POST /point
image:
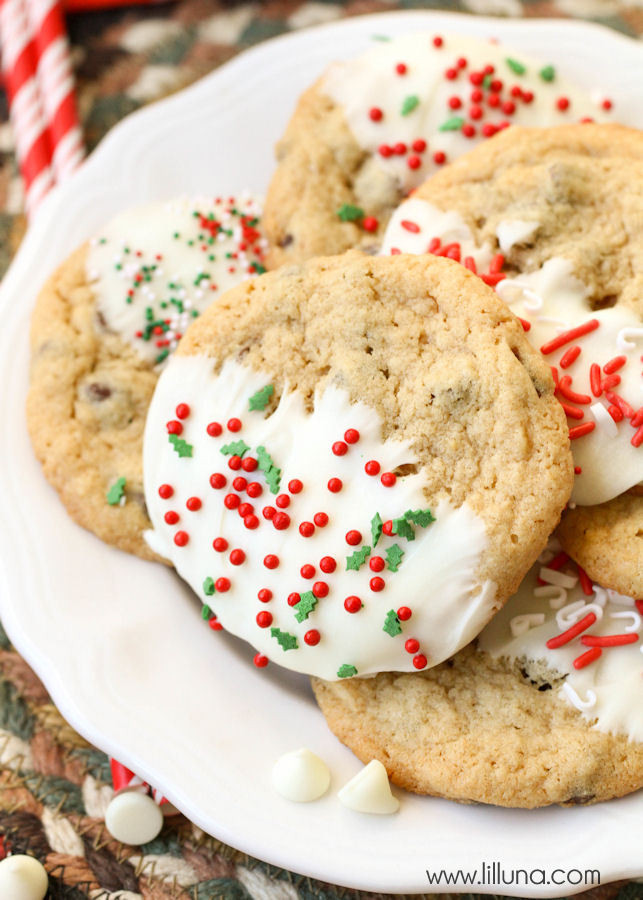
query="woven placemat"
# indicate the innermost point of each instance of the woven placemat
(54, 787)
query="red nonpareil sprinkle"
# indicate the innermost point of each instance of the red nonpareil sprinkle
(407, 225)
(516, 91)
(294, 598)
(615, 413)
(564, 388)
(566, 636)
(595, 379)
(352, 604)
(637, 418)
(264, 619)
(461, 62)
(218, 481)
(283, 501)
(306, 529)
(493, 280)
(214, 624)
(268, 512)
(611, 381)
(451, 74)
(385, 151)
(234, 463)
(320, 589)
(377, 584)
(231, 501)
(414, 162)
(608, 640)
(375, 114)
(351, 435)
(411, 645)
(562, 103)
(295, 486)
(509, 107)
(372, 467)
(181, 538)
(166, 491)
(568, 336)
(388, 479)
(281, 521)
(312, 637)
(574, 412)
(401, 68)
(387, 527)
(577, 470)
(320, 519)
(493, 100)
(614, 364)
(171, 517)
(607, 104)
(454, 102)
(265, 595)
(586, 658)
(220, 544)
(193, 504)
(182, 411)
(622, 404)
(327, 564)
(404, 613)
(335, 485)
(260, 660)
(307, 571)
(222, 585)
(249, 464)
(376, 564)
(419, 145)
(476, 95)
(570, 356)
(174, 427)
(254, 490)
(237, 557)
(353, 537)
(339, 448)
(527, 96)
(488, 129)
(475, 113)
(526, 326)
(420, 661)
(400, 148)
(579, 431)
(434, 245)
(239, 483)
(468, 130)
(370, 223)
(271, 561)
(395, 251)
(637, 437)
(439, 158)
(234, 425)
(438, 41)
(476, 78)
(585, 581)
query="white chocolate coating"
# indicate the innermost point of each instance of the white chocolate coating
(371, 81)
(300, 776)
(553, 300)
(22, 878)
(133, 818)
(163, 258)
(369, 791)
(609, 691)
(436, 577)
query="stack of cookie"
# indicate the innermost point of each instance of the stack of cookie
(359, 461)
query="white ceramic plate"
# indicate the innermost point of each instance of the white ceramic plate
(120, 643)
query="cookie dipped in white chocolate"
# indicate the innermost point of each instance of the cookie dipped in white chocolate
(310, 549)
(595, 353)
(154, 268)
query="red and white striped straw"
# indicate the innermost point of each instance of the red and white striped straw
(40, 87)
(123, 779)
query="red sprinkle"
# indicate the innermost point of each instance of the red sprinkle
(608, 640)
(294, 598)
(214, 429)
(182, 411)
(579, 431)
(387, 527)
(611, 381)
(414, 162)
(340, 448)
(401, 69)
(595, 379)
(231, 501)
(637, 438)
(193, 504)
(237, 557)
(239, 483)
(312, 637)
(222, 585)
(574, 412)
(327, 564)
(283, 501)
(372, 467)
(254, 490)
(220, 544)
(377, 584)
(404, 613)
(218, 481)
(419, 145)
(234, 424)
(439, 158)
(166, 491)
(268, 512)
(352, 604)
(281, 521)
(249, 464)
(526, 326)
(410, 226)
(260, 661)
(214, 624)
(451, 74)
(615, 413)
(568, 336)
(370, 223)
(174, 427)
(307, 571)
(295, 486)
(376, 564)
(353, 537)
(388, 479)
(234, 463)
(320, 519)
(622, 404)
(564, 387)
(411, 645)
(437, 41)
(265, 595)
(586, 658)
(613, 365)
(351, 436)
(320, 589)
(566, 636)
(419, 661)
(569, 356)
(264, 619)
(171, 517)
(562, 103)
(271, 561)
(306, 529)
(375, 114)
(585, 581)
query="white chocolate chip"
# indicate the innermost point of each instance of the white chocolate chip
(369, 791)
(133, 818)
(22, 878)
(300, 776)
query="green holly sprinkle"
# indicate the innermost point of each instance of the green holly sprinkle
(286, 641)
(421, 517)
(376, 528)
(349, 213)
(236, 448)
(392, 624)
(547, 73)
(305, 606)
(208, 586)
(182, 447)
(394, 556)
(455, 123)
(403, 528)
(116, 492)
(409, 104)
(357, 559)
(206, 612)
(516, 67)
(346, 671)
(269, 469)
(261, 399)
